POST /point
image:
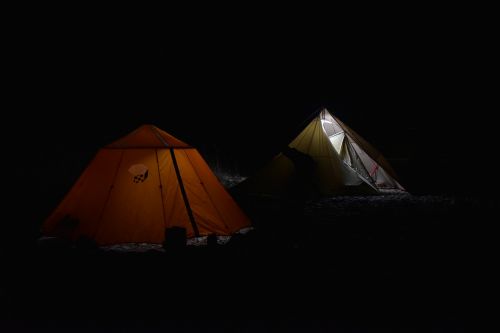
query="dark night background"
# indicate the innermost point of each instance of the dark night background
(418, 91)
(416, 86)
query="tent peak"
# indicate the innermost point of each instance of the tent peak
(317, 113)
(324, 109)
(148, 125)
(148, 136)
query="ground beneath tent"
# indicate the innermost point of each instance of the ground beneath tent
(363, 262)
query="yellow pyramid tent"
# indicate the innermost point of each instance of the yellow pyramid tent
(140, 185)
(327, 158)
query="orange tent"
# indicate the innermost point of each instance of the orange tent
(140, 185)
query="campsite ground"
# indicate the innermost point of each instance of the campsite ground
(367, 264)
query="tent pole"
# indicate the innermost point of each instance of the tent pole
(161, 189)
(181, 184)
(184, 195)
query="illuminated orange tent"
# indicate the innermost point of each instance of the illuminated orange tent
(140, 185)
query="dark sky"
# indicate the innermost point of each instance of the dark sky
(416, 88)
(86, 88)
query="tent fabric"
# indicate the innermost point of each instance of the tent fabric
(131, 192)
(148, 136)
(345, 163)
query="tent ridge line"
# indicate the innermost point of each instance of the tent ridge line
(181, 183)
(184, 194)
(360, 161)
(99, 222)
(208, 194)
(159, 136)
(161, 189)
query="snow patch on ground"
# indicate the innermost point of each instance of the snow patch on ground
(134, 247)
(229, 180)
(146, 247)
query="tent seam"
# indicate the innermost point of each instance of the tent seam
(99, 222)
(161, 190)
(209, 197)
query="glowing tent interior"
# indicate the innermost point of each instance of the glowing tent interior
(138, 186)
(327, 158)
